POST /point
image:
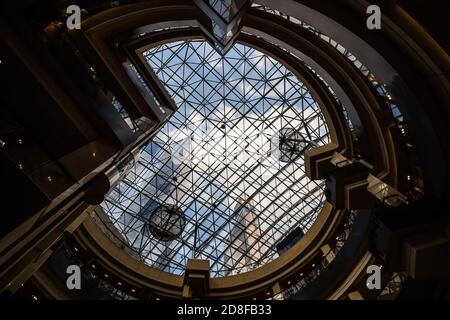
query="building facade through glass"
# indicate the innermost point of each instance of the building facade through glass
(220, 162)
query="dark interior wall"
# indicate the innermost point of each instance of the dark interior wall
(433, 16)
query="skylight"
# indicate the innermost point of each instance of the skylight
(220, 162)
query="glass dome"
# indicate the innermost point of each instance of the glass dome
(217, 160)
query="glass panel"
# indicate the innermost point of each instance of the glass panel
(214, 160)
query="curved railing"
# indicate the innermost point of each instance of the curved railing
(393, 286)
(303, 280)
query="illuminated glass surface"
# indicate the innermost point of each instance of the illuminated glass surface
(218, 160)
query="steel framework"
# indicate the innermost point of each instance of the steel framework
(215, 151)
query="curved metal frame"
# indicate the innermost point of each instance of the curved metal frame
(264, 278)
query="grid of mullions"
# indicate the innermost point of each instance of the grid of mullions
(214, 152)
(222, 7)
